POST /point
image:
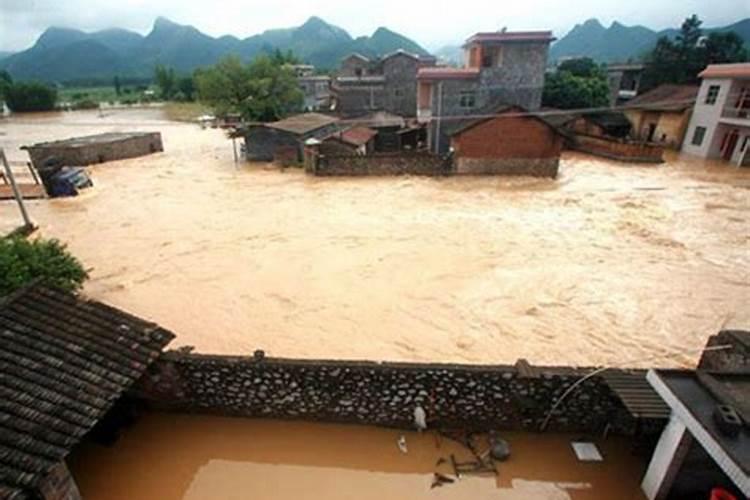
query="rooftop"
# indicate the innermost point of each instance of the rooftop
(64, 361)
(357, 136)
(739, 70)
(76, 142)
(667, 97)
(512, 36)
(435, 73)
(303, 123)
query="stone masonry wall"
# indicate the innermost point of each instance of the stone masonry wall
(735, 359)
(402, 163)
(535, 167)
(385, 394)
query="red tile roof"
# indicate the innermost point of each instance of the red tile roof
(447, 73)
(358, 136)
(667, 97)
(513, 36)
(740, 70)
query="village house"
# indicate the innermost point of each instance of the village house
(508, 143)
(315, 88)
(500, 68)
(624, 82)
(720, 125)
(283, 140)
(662, 114)
(387, 84)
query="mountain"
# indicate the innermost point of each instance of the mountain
(4, 54)
(62, 54)
(620, 42)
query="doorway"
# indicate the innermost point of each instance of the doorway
(651, 132)
(729, 144)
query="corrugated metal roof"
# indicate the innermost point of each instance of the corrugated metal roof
(635, 392)
(64, 361)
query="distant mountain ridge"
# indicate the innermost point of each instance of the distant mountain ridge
(620, 43)
(63, 54)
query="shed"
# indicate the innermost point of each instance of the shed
(64, 362)
(283, 140)
(508, 142)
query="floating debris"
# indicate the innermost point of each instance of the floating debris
(402, 444)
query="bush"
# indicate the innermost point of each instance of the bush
(22, 261)
(30, 96)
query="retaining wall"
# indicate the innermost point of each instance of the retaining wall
(385, 394)
(614, 149)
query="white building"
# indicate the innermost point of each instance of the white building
(720, 125)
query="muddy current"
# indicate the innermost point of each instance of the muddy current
(610, 263)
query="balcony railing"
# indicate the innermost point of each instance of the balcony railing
(737, 114)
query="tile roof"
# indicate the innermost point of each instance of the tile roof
(512, 36)
(739, 70)
(64, 361)
(667, 97)
(303, 123)
(438, 73)
(357, 136)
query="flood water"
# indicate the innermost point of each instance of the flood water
(609, 263)
(170, 457)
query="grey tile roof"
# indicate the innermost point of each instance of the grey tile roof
(64, 361)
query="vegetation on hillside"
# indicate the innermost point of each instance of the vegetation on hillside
(577, 83)
(30, 96)
(22, 261)
(682, 59)
(264, 90)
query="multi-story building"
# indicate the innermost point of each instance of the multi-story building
(384, 84)
(316, 88)
(503, 68)
(624, 82)
(720, 125)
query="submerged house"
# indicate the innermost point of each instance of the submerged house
(283, 140)
(502, 68)
(720, 125)
(510, 142)
(64, 364)
(662, 114)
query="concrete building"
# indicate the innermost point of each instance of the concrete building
(720, 125)
(385, 84)
(662, 114)
(315, 88)
(509, 143)
(500, 68)
(624, 82)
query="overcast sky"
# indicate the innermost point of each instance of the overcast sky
(432, 23)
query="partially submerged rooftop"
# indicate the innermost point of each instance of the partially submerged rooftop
(64, 361)
(667, 97)
(88, 140)
(303, 123)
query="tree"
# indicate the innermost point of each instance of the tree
(584, 67)
(5, 82)
(264, 90)
(116, 83)
(564, 90)
(166, 80)
(30, 96)
(682, 59)
(22, 261)
(186, 87)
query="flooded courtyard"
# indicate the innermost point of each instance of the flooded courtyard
(171, 457)
(607, 264)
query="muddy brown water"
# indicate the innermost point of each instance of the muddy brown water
(171, 457)
(609, 263)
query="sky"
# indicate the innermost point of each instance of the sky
(433, 23)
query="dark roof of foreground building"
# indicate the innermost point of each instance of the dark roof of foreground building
(88, 140)
(64, 361)
(667, 97)
(303, 123)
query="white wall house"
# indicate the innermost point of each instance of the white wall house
(720, 125)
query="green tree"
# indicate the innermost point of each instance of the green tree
(584, 67)
(22, 261)
(30, 96)
(166, 80)
(264, 90)
(116, 83)
(5, 82)
(186, 87)
(564, 90)
(724, 47)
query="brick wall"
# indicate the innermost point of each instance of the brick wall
(614, 149)
(386, 394)
(402, 163)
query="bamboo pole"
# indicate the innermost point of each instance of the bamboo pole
(16, 193)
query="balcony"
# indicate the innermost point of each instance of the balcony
(736, 116)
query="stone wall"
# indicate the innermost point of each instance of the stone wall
(402, 163)
(385, 394)
(735, 359)
(534, 167)
(90, 151)
(613, 149)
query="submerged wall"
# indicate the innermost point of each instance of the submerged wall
(614, 149)
(97, 149)
(470, 397)
(401, 163)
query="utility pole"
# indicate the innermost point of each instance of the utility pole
(16, 193)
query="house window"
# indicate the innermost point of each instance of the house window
(712, 95)
(698, 135)
(467, 99)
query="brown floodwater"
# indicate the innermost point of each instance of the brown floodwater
(609, 263)
(171, 457)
